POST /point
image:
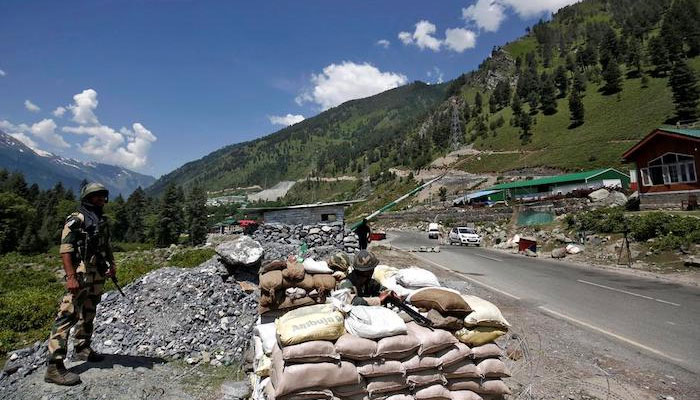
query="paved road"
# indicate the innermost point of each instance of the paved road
(661, 319)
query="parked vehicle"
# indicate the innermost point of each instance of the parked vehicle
(463, 235)
(433, 230)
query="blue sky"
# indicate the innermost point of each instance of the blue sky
(151, 85)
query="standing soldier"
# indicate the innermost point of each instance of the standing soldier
(363, 233)
(87, 259)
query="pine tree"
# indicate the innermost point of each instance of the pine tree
(658, 55)
(517, 107)
(533, 101)
(576, 109)
(136, 207)
(478, 103)
(525, 125)
(612, 77)
(467, 111)
(579, 84)
(120, 218)
(493, 104)
(561, 80)
(167, 230)
(686, 93)
(635, 56)
(196, 212)
(548, 96)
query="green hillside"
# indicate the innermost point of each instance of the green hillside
(616, 56)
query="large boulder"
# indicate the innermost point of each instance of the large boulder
(599, 195)
(616, 199)
(243, 251)
(562, 238)
(559, 252)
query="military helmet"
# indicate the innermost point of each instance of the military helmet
(340, 261)
(91, 188)
(365, 261)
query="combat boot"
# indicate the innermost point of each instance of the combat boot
(87, 354)
(57, 373)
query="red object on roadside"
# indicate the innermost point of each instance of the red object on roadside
(527, 243)
(247, 222)
(377, 236)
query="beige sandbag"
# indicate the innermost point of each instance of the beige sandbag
(420, 363)
(493, 368)
(351, 390)
(448, 323)
(273, 265)
(464, 369)
(456, 353)
(307, 283)
(297, 377)
(490, 386)
(316, 322)
(465, 395)
(271, 281)
(447, 301)
(373, 369)
(381, 272)
(479, 335)
(314, 394)
(490, 350)
(433, 392)
(425, 378)
(431, 341)
(262, 366)
(294, 271)
(385, 384)
(286, 304)
(400, 397)
(313, 351)
(355, 348)
(397, 347)
(484, 313)
(324, 282)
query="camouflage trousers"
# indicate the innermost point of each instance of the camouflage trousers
(76, 310)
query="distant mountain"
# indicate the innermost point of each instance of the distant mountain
(46, 169)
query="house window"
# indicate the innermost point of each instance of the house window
(328, 217)
(669, 168)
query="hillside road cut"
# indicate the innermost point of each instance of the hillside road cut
(657, 318)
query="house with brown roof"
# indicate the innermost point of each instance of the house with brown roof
(666, 167)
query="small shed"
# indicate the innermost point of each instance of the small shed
(481, 196)
(666, 165)
(304, 214)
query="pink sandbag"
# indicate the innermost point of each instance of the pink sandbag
(465, 369)
(381, 368)
(493, 368)
(454, 354)
(433, 392)
(310, 352)
(490, 350)
(385, 384)
(425, 378)
(351, 390)
(465, 395)
(420, 363)
(397, 347)
(400, 397)
(355, 348)
(431, 341)
(492, 386)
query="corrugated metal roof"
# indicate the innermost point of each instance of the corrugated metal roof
(686, 132)
(474, 195)
(577, 176)
(313, 205)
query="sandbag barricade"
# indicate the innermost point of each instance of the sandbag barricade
(331, 351)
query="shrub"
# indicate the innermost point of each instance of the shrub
(191, 257)
(29, 308)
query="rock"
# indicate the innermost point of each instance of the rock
(248, 287)
(326, 228)
(559, 253)
(573, 249)
(235, 390)
(13, 357)
(243, 251)
(691, 261)
(599, 195)
(529, 253)
(562, 238)
(314, 231)
(616, 199)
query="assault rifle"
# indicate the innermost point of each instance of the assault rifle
(389, 297)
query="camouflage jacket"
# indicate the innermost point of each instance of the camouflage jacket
(88, 247)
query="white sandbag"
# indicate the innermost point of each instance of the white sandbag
(374, 322)
(382, 272)
(268, 336)
(416, 277)
(484, 313)
(391, 284)
(312, 266)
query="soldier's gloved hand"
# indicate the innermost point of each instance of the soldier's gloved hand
(383, 296)
(72, 284)
(111, 271)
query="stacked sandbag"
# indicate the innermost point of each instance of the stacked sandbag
(296, 282)
(404, 281)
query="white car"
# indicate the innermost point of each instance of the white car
(463, 235)
(433, 230)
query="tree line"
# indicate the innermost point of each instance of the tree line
(31, 219)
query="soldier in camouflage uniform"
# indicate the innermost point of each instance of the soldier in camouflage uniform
(360, 282)
(87, 260)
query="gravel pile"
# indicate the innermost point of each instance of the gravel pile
(330, 235)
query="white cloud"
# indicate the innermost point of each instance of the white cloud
(286, 120)
(59, 111)
(339, 83)
(532, 8)
(384, 43)
(423, 36)
(31, 106)
(46, 130)
(84, 107)
(3, 73)
(437, 74)
(406, 37)
(459, 39)
(486, 14)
